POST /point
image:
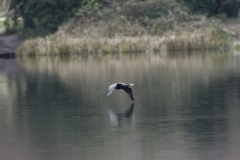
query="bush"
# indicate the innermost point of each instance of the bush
(213, 7)
(12, 24)
(49, 14)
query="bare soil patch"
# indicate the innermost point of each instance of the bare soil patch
(9, 43)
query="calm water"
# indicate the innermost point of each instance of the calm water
(186, 108)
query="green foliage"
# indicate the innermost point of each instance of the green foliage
(207, 6)
(222, 16)
(88, 7)
(136, 18)
(12, 24)
(213, 7)
(51, 14)
(47, 14)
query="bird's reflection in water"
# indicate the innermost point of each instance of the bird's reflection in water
(115, 119)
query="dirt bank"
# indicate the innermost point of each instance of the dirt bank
(9, 43)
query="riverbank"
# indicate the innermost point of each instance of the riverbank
(131, 29)
(91, 41)
(10, 43)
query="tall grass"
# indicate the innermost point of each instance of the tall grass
(208, 40)
(63, 44)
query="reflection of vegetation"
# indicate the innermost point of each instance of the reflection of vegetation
(206, 108)
(176, 98)
(79, 71)
(52, 110)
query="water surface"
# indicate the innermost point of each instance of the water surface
(186, 108)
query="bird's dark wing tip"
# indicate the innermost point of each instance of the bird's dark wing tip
(128, 90)
(131, 94)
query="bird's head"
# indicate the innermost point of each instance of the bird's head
(130, 84)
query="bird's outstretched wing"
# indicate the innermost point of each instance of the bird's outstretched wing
(129, 92)
(111, 88)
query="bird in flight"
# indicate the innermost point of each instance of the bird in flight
(125, 87)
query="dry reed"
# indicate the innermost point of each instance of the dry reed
(62, 44)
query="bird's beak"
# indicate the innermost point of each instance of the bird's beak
(131, 84)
